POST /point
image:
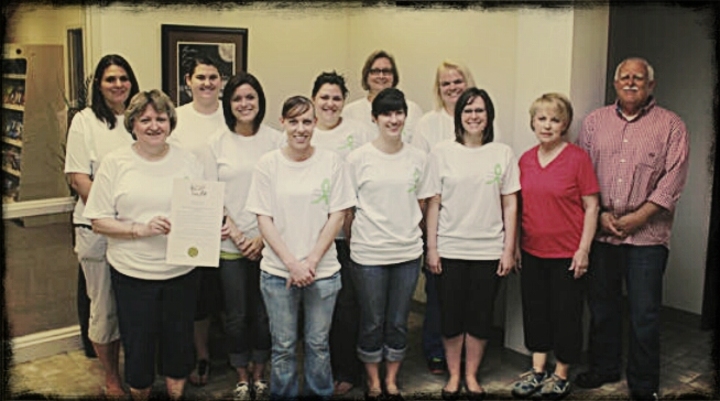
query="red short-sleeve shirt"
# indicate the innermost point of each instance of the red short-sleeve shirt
(552, 208)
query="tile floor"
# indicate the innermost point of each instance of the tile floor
(687, 370)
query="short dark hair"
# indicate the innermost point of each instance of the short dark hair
(140, 102)
(235, 82)
(330, 78)
(467, 97)
(296, 105)
(97, 104)
(368, 65)
(389, 99)
(190, 63)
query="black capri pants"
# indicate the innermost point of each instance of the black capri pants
(466, 291)
(552, 302)
(156, 318)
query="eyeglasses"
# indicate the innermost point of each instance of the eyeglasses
(384, 71)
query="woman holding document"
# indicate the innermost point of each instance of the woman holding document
(130, 204)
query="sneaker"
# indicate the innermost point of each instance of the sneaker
(262, 391)
(242, 392)
(437, 366)
(592, 379)
(555, 388)
(528, 384)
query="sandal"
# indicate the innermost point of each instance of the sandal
(199, 375)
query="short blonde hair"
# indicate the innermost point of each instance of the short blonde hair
(560, 102)
(139, 103)
(450, 65)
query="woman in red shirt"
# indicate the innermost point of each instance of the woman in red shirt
(559, 217)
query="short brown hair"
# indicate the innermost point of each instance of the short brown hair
(139, 103)
(368, 65)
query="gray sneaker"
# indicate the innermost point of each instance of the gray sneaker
(555, 388)
(262, 391)
(242, 392)
(528, 384)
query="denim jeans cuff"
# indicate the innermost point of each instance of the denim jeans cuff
(369, 356)
(394, 355)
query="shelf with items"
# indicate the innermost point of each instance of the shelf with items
(33, 140)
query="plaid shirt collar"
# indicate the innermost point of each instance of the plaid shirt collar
(644, 110)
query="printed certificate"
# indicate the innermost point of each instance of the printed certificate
(196, 217)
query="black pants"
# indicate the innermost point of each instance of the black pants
(552, 301)
(83, 309)
(345, 327)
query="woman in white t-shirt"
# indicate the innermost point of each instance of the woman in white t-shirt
(300, 195)
(471, 227)
(95, 132)
(390, 180)
(130, 204)
(341, 135)
(197, 121)
(380, 72)
(451, 79)
(233, 154)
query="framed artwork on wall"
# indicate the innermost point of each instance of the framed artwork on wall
(181, 43)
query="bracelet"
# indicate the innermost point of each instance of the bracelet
(132, 231)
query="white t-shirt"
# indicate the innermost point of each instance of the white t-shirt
(437, 126)
(233, 159)
(347, 136)
(299, 196)
(130, 188)
(471, 182)
(386, 227)
(361, 110)
(89, 140)
(194, 128)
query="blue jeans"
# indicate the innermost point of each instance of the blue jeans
(642, 267)
(432, 334)
(283, 307)
(246, 321)
(385, 294)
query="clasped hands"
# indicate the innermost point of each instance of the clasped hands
(622, 226)
(251, 248)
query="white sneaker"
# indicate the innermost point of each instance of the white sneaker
(262, 391)
(242, 392)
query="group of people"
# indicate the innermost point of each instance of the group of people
(328, 224)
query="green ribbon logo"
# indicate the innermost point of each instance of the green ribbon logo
(498, 174)
(415, 180)
(349, 143)
(325, 192)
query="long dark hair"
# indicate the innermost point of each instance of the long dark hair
(467, 97)
(98, 105)
(235, 82)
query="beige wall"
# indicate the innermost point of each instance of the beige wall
(44, 25)
(287, 49)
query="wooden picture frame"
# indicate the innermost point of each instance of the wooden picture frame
(226, 46)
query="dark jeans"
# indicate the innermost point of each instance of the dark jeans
(246, 320)
(642, 267)
(431, 334)
(346, 366)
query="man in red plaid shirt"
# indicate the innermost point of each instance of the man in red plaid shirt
(640, 154)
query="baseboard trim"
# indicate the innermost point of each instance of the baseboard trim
(47, 343)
